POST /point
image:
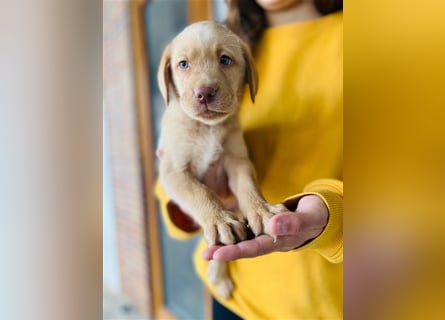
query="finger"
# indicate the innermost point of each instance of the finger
(285, 224)
(208, 252)
(247, 249)
(313, 210)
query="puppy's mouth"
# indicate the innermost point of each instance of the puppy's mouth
(211, 114)
(210, 111)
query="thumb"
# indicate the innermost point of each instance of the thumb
(288, 223)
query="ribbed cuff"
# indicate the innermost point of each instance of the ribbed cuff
(330, 242)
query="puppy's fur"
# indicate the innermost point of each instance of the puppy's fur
(202, 75)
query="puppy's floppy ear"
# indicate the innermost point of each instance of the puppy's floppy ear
(165, 74)
(251, 72)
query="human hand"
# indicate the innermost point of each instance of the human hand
(293, 229)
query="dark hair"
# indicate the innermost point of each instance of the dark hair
(248, 20)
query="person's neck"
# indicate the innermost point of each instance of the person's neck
(301, 12)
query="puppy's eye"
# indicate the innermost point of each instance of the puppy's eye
(225, 60)
(184, 64)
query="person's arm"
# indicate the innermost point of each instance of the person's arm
(314, 222)
(328, 243)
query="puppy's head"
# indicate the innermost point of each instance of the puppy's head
(205, 69)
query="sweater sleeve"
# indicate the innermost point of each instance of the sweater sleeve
(179, 225)
(329, 243)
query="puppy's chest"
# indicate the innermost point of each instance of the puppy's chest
(205, 151)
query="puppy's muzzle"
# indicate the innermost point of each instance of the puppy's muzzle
(205, 95)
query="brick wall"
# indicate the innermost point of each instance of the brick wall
(120, 113)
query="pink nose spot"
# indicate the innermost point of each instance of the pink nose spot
(159, 153)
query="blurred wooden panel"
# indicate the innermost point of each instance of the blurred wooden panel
(199, 10)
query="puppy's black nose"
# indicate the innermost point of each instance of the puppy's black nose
(205, 94)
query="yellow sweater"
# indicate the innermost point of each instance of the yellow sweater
(295, 139)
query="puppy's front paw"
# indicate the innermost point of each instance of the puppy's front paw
(275, 209)
(259, 218)
(225, 228)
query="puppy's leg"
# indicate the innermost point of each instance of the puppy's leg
(219, 225)
(242, 182)
(218, 274)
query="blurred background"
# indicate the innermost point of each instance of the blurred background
(59, 169)
(146, 273)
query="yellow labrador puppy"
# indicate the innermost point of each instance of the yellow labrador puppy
(202, 75)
